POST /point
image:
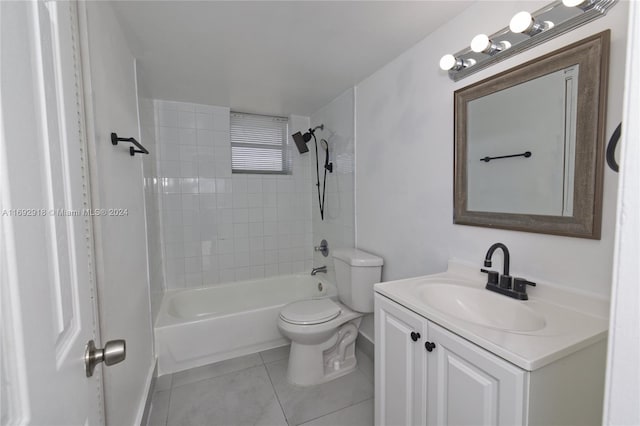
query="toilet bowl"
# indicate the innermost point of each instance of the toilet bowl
(323, 331)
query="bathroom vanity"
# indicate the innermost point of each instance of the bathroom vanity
(450, 352)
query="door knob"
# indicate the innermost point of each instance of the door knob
(114, 351)
(415, 336)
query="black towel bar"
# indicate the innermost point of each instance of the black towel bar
(524, 154)
(141, 149)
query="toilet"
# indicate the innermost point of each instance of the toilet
(323, 332)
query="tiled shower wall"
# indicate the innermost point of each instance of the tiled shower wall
(338, 226)
(217, 226)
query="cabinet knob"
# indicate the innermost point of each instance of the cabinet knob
(415, 336)
(429, 346)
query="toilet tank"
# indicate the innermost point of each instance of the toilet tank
(356, 273)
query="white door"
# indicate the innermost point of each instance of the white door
(400, 385)
(469, 386)
(48, 293)
(121, 244)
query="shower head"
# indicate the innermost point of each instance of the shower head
(301, 140)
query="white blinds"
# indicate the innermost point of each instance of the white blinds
(259, 144)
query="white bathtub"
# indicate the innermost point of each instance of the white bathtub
(199, 326)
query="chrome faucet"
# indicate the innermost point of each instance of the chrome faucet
(319, 269)
(504, 284)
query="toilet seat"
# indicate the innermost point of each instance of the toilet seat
(309, 312)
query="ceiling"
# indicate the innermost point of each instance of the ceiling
(270, 57)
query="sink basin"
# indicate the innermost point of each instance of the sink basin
(481, 307)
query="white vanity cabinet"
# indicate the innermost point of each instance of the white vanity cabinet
(400, 365)
(466, 385)
(456, 382)
(449, 352)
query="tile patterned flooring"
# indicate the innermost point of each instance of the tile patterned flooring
(253, 390)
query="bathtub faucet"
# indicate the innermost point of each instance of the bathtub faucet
(319, 269)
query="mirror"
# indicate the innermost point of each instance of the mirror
(529, 144)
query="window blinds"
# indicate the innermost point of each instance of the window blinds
(259, 144)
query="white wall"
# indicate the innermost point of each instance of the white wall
(117, 182)
(404, 169)
(623, 371)
(221, 227)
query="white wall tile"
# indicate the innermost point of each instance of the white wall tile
(226, 261)
(204, 137)
(225, 201)
(240, 215)
(227, 275)
(221, 121)
(188, 169)
(187, 136)
(338, 120)
(186, 119)
(204, 120)
(240, 230)
(241, 245)
(217, 226)
(226, 246)
(167, 118)
(189, 185)
(271, 269)
(207, 186)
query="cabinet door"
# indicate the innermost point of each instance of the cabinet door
(470, 386)
(400, 387)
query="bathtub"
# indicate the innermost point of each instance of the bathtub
(199, 326)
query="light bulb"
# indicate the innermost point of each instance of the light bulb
(521, 22)
(450, 62)
(447, 62)
(480, 43)
(572, 3)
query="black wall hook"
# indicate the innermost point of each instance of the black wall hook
(611, 149)
(141, 149)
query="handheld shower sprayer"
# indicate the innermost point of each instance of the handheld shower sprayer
(327, 165)
(301, 141)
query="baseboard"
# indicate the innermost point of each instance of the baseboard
(364, 344)
(145, 407)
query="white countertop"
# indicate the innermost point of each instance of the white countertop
(574, 320)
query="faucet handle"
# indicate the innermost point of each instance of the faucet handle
(492, 277)
(520, 285)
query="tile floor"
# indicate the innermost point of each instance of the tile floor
(253, 390)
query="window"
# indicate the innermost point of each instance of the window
(259, 144)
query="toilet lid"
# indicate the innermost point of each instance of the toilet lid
(308, 312)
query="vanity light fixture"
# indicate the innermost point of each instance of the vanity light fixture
(450, 62)
(483, 44)
(524, 23)
(525, 31)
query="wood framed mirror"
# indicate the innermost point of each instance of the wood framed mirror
(529, 144)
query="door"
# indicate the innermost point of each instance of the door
(48, 294)
(469, 386)
(121, 242)
(400, 387)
